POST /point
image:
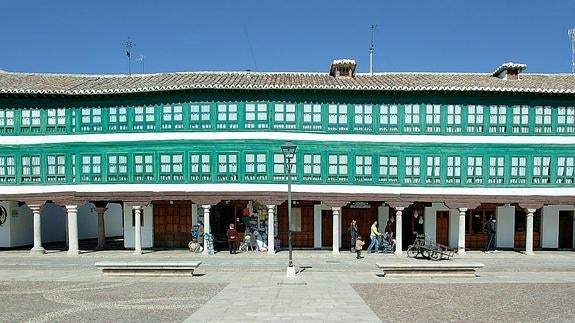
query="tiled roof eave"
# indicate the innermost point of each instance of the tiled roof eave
(288, 87)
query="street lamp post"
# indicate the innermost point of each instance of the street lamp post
(288, 149)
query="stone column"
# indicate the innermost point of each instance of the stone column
(529, 232)
(461, 238)
(72, 211)
(101, 228)
(137, 229)
(37, 249)
(336, 232)
(398, 230)
(206, 210)
(271, 229)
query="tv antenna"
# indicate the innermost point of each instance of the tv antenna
(129, 46)
(571, 33)
(141, 60)
(372, 48)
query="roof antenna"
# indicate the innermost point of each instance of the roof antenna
(141, 60)
(571, 33)
(129, 46)
(371, 49)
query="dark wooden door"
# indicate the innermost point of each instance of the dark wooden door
(565, 229)
(363, 217)
(442, 227)
(326, 228)
(172, 224)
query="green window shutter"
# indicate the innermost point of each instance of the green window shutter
(200, 116)
(312, 168)
(433, 169)
(256, 116)
(200, 167)
(284, 116)
(364, 169)
(541, 171)
(388, 169)
(565, 170)
(453, 176)
(566, 120)
(520, 121)
(389, 118)
(144, 167)
(363, 118)
(337, 118)
(412, 123)
(56, 168)
(7, 121)
(312, 119)
(8, 169)
(454, 124)
(496, 174)
(432, 118)
(118, 119)
(543, 120)
(474, 170)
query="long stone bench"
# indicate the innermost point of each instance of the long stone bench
(430, 269)
(148, 268)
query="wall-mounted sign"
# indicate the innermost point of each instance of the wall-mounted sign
(359, 205)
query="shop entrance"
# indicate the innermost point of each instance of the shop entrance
(442, 227)
(565, 229)
(326, 228)
(221, 216)
(172, 224)
(364, 218)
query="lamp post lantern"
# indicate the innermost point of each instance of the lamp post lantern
(288, 150)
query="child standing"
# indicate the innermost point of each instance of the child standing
(359, 246)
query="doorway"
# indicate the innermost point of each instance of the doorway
(221, 216)
(565, 229)
(442, 227)
(327, 228)
(172, 224)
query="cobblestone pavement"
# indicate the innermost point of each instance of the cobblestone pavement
(252, 287)
(470, 302)
(124, 301)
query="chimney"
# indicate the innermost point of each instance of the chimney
(342, 67)
(509, 71)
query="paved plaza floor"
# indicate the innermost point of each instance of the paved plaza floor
(253, 287)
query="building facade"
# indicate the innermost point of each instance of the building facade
(145, 157)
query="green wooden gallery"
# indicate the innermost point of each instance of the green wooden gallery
(143, 158)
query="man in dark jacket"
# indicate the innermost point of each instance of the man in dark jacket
(353, 234)
(490, 228)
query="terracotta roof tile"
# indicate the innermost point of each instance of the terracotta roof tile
(69, 84)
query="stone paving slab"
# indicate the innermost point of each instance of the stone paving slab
(252, 287)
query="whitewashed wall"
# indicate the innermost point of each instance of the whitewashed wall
(114, 220)
(505, 227)
(5, 232)
(147, 230)
(429, 219)
(550, 225)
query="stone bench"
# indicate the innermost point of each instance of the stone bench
(148, 268)
(429, 269)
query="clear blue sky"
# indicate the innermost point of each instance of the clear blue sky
(81, 36)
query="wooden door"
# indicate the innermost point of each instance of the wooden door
(326, 228)
(172, 224)
(565, 229)
(364, 219)
(442, 227)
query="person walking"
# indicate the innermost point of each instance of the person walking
(491, 232)
(358, 247)
(232, 234)
(373, 236)
(353, 234)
